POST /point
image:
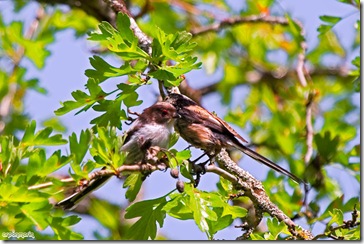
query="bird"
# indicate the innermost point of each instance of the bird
(153, 127)
(210, 133)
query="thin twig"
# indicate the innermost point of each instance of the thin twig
(144, 10)
(228, 22)
(48, 184)
(309, 129)
(270, 76)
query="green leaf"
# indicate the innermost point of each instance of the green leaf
(356, 73)
(70, 19)
(112, 116)
(269, 99)
(330, 19)
(129, 96)
(123, 26)
(257, 237)
(178, 157)
(339, 204)
(79, 150)
(326, 146)
(173, 140)
(173, 47)
(133, 182)
(38, 213)
(105, 212)
(34, 49)
(222, 223)
(226, 186)
(234, 211)
(55, 123)
(106, 146)
(337, 218)
(36, 160)
(177, 207)
(82, 99)
(150, 212)
(104, 70)
(122, 41)
(61, 229)
(331, 22)
(296, 30)
(53, 163)
(275, 227)
(200, 208)
(329, 44)
(42, 137)
(355, 3)
(323, 29)
(14, 194)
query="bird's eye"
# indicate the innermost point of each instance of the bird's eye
(164, 113)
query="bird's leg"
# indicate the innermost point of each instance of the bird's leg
(188, 147)
(198, 169)
(194, 161)
(197, 180)
(201, 166)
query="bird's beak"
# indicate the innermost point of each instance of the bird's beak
(176, 116)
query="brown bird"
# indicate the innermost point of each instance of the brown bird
(153, 127)
(208, 132)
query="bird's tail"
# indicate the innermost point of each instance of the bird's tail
(269, 163)
(70, 202)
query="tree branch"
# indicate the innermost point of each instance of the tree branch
(262, 18)
(96, 8)
(255, 191)
(269, 76)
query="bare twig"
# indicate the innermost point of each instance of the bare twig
(309, 129)
(144, 10)
(48, 184)
(229, 22)
(270, 76)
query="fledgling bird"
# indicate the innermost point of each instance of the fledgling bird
(153, 127)
(208, 132)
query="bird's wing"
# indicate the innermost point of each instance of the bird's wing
(201, 115)
(230, 129)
